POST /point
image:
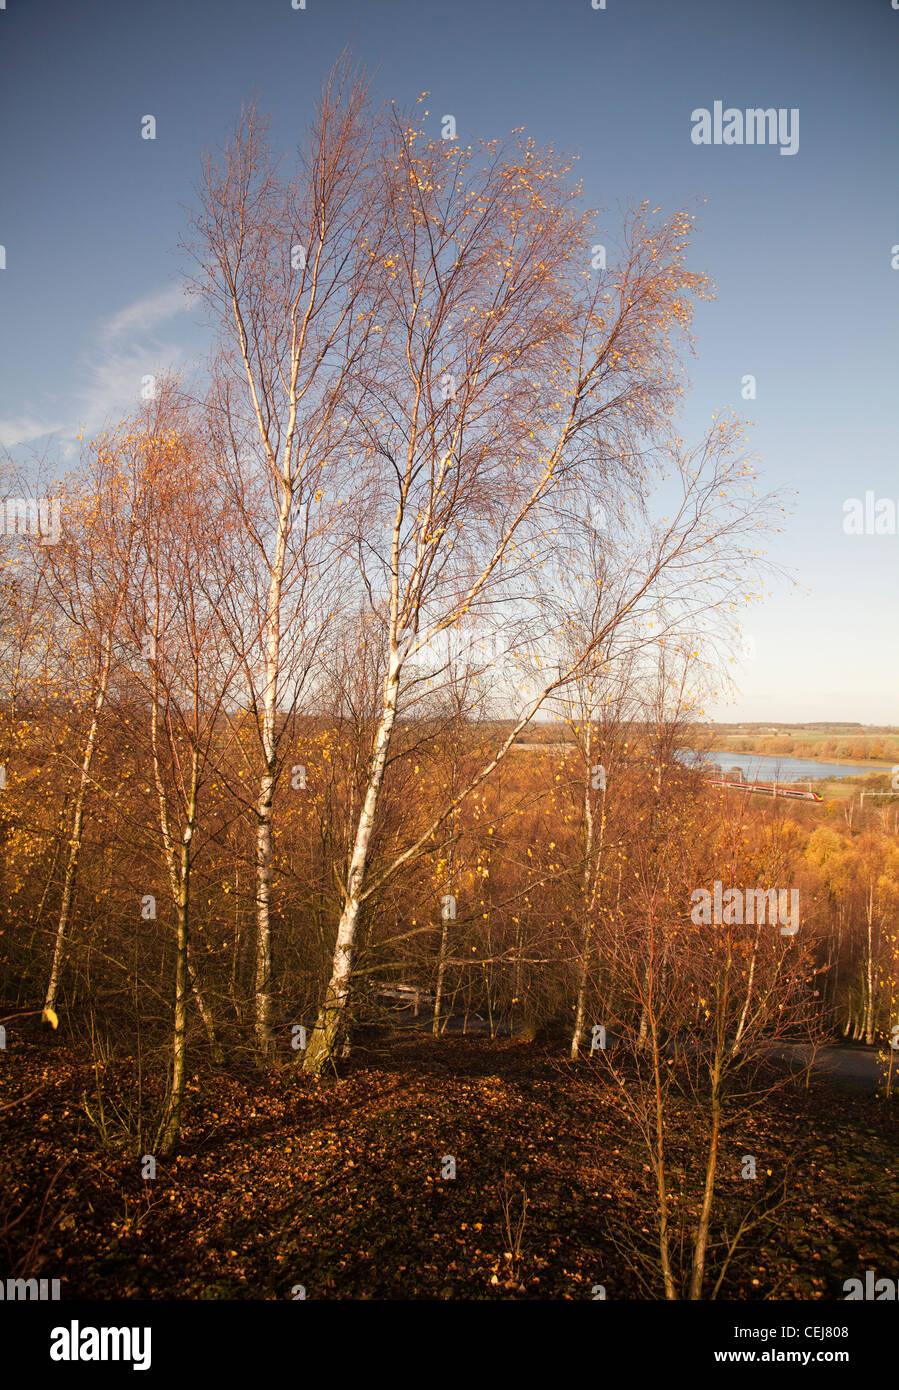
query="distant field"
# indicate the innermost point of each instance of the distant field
(835, 743)
(843, 788)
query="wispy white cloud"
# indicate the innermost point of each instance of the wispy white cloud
(114, 382)
(23, 430)
(126, 351)
(123, 350)
(141, 317)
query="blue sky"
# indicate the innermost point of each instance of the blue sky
(799, 246)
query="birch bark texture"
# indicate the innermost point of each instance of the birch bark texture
(285, 269)
(502, 381)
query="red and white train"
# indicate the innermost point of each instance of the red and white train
(774, 789)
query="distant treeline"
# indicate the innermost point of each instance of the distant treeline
(861, 747)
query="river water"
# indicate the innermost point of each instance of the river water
(757, 767)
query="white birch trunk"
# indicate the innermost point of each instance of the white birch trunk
(170, 1127)
(321, 1047)
(441, 972)
(585, 943)
(68, 891)
(263, 970)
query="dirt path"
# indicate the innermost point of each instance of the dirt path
(858, 1068)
